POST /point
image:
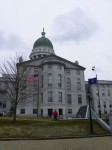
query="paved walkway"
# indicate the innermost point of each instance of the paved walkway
(96, 143)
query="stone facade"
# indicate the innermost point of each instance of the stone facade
(105, 97)
(4, 104)
(60, 86)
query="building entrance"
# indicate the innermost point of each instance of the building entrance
(50, 112)
(60, 113)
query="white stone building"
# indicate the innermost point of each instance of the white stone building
(102, 102)
(60, 84)
(4, 105)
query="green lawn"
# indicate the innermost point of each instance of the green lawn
(46, 128)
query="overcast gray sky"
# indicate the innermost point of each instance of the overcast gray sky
(79, 30)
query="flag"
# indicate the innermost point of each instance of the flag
(93, 68)
(92, 81)
(32, 78)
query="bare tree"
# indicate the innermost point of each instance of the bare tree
(15, 73)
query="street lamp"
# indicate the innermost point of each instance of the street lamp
(90, 115)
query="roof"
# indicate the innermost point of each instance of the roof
(43, 41)
(53, 55)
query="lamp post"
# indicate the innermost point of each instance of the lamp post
(90, 115)
(93, 69)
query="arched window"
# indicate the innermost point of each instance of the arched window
(49, 79)
(59, 80)
(68, 84)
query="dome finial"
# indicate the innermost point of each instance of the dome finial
(43, 33)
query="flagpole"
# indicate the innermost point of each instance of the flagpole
(94, 69)
(98, 97)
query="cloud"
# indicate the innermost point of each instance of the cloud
(74, 26)
(11, 42)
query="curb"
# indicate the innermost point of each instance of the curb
(54, 138)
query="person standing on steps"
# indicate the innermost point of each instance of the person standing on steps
(55, 114)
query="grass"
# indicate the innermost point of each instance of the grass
(46, 128)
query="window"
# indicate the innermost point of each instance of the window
(42, 97)
(34, 56)
(42, 81)
(96, 92)
(49, 65)
(49, 79)
(104, 104)
(108, 92)
(110, 105)
(4, 104)
(79, 99)
(69, 111)
(0, 104)
(39, 56)
(68, 71)
(103, 92)
(105, 112)
(50, 96)
(22, 111)
(78, 72)
(36, 70)
(35, 98)
(59, 67)
(23, 95)
(35, 86)
(59, 80)
(60, 96)
(68, 84)
(78, 84)
(69, 99)
(41, 112)
(34, 111)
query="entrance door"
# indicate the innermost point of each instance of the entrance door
(60, 113)
(50, 112)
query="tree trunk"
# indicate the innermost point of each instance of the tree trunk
(14, 115)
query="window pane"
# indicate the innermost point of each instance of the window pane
(79, 99)
(59, 80)
(49, 65)
(108, 92)
(50, 79)
(50, 98)
(4, 104)
(34, 111)
(68, 71)
(60, 96)
(59, 67)
(0, 104)
(68, 84)
(69, 111)
(35, 98)
(77, 72)
(22, 111)
(42, 97)
(69, 98)
(42, 80)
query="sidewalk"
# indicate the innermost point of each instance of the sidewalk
(95, 143)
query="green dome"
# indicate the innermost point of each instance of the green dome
(43, 41)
